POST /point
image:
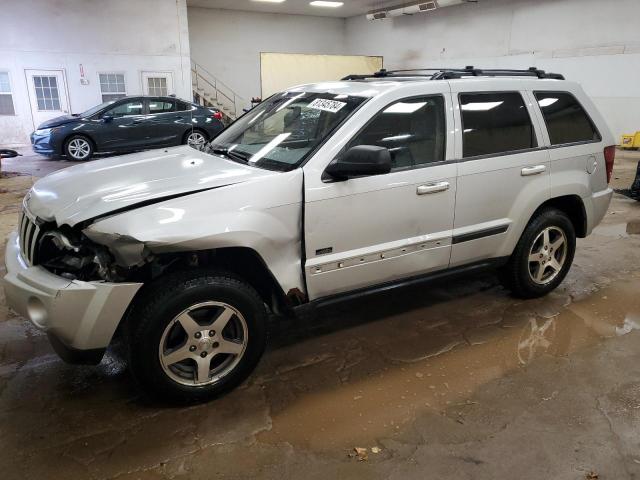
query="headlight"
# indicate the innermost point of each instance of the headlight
(43, 131)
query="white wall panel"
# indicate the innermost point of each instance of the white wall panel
(228, 43)
(594, 42)
(103, 36)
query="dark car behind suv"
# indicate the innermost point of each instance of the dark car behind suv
(127, 124)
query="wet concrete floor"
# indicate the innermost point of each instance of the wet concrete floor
(457, 380)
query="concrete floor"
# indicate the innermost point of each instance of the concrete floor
(455, 381)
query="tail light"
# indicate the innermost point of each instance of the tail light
(609, 157)
(217, 115)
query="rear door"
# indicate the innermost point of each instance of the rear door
(503, 171)
(371, 230)
(163, 125)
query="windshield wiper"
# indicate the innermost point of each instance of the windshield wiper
(230, 154)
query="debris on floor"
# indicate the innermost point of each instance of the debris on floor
(591, 475)
(359, 453)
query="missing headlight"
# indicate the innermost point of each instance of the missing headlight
(73, 256)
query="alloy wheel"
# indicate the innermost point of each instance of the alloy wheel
(203, 343)
(196, 140)
(79, 148)
(547, 255)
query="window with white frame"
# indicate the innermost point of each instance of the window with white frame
(47, 93)
(157, 86)
(112, 86)
(6, 98)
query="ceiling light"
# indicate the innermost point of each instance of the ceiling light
(323, 3)
(405, 107)
(545, 102)
(480, 106)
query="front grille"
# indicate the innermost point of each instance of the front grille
(29, 235)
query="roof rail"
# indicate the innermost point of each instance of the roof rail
(451, 73)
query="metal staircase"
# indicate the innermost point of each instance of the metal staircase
(211, 92)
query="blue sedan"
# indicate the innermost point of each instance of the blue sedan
(125, 125)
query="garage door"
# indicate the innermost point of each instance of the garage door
(279, 71)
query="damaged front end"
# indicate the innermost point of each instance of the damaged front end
(70, 253)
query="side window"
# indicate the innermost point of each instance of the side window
(126, 109)
(495, 123)
(161, 106)
(182, 106)
(413, 130)
(567, 121)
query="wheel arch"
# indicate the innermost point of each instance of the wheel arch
(573, 207)
(243, 262)
(194, 129)
(78, 134)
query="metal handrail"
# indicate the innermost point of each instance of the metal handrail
(216, 85)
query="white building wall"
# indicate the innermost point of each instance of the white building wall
(104, 36)
(228, 43)
(594, 42)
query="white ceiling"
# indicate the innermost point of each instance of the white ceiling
(298, 7)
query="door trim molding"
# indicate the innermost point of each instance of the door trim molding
(487, 232)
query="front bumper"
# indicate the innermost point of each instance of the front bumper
(79, 317)
(44, 144)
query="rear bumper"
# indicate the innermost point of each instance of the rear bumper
(596, 207)
(79, 317)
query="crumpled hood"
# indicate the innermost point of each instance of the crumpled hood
(56, 122)
(96, 188)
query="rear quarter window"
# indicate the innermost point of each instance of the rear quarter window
(495, 123)
(566, 120)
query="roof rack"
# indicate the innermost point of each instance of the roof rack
(451, 73)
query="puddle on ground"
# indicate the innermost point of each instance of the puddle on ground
(365, 383)
(360, 373)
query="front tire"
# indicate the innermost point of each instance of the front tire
(195, 335)
(78, 148)
(542, 257)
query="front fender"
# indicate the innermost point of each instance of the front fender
(264, 214)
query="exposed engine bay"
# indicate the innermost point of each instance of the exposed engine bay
(72, 255)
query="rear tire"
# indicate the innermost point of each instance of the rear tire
(542, 257)
(196, 139)
(78, 148)
(195, 335)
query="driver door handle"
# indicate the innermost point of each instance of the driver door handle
(432, 188)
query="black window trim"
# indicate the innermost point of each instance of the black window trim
(497, 154)
(568, 144)
(148, 100)
(122, 101)
(327, 179)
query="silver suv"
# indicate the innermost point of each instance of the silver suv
(320, 193)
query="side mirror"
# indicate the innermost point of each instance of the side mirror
(361, 160)
(107, 118)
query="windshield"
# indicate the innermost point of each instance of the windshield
(280, 132)
(97, 108)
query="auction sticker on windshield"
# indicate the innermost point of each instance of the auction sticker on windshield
(327, 105)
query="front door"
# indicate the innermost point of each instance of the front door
(47, 95)
(370, 230)
(124, 126)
